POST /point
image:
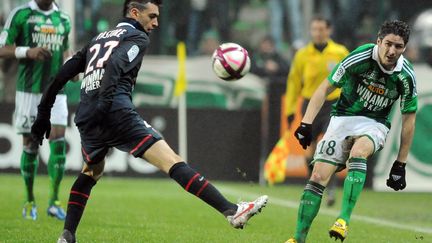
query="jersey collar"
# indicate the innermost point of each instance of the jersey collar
(312, 48)
(131, 22)
(399, 62)
(33, 5)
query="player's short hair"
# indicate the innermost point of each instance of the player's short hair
(395, 27)
(321, 19)
(139, 4)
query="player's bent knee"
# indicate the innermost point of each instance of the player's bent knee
(93, 174)
(316, 177)
(94, 170)
(321, 174)
(363, 148)
(360, 153)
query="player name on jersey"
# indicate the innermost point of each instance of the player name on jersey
(108, 34)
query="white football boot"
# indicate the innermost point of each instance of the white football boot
(245, 211)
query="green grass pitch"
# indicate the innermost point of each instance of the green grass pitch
(158, 210)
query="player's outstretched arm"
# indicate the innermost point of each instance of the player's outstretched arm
(317, 101)
(35, 53)
(67, 71)
(42, 126)
(7, 52)
(396, 179)
(68, 54)
(407, 134)
(304, 132)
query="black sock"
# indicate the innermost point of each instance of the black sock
(195, 184)
(78, 197)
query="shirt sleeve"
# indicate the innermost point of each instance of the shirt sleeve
(408, 102)
(11, 29)
(67, 71)
(348, 64)
(66, 43)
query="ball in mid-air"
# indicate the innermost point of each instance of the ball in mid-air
(230, 62)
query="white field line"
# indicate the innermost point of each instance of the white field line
(330, 212)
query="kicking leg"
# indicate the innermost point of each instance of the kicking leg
(331, 186)
(162, 156)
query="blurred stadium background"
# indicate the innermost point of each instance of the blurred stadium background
(232, 128)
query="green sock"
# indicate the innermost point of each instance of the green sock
(353, 186)
(309, 206)
(56, 167)
(29, 165)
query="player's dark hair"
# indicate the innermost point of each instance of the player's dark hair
(395, 27)
(139, 4)
(321, 19)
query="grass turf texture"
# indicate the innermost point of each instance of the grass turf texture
(158, 210)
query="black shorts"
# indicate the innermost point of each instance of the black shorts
(322, 120)
(124, 130)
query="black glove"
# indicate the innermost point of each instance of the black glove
(304, 134)
(396, 178)
(42, 125)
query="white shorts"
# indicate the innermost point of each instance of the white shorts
(26, 106)
(335, 146)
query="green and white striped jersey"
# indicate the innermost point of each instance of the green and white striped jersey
(30, 26)
(370, 90)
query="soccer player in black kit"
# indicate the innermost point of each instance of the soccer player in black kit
(106, 117)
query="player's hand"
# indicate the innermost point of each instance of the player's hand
(38, 53)
(304, 134)
(396, 178)
(41, 127)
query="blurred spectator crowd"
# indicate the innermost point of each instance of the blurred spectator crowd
(271, 30)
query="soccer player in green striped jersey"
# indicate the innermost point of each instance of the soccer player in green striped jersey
(372, 78)
(36, 34)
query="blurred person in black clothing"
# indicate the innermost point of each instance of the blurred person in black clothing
(268, 63)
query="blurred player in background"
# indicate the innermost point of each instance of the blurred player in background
(106, 117)
(36, 34)
(311, 65)
(372, 78)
